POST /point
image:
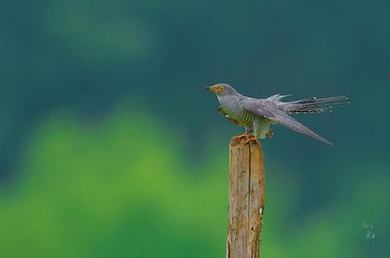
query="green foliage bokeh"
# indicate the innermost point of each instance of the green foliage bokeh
(123, 188)
(79, 178)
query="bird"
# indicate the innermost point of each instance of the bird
(257, 115)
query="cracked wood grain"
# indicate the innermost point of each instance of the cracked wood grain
(246, 198)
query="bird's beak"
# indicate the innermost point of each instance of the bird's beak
(211, 89)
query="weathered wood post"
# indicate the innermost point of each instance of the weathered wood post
(246, 198)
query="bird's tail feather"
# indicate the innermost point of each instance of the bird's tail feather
(315, 105)
(293, 124)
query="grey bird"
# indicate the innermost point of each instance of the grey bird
(257, 115)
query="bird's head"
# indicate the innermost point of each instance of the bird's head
(222, 89)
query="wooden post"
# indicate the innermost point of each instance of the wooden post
(246, 198)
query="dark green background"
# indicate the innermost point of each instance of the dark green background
(111, 147)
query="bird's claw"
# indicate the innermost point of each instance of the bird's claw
(250, 138)
(269, 133)
(246, 137)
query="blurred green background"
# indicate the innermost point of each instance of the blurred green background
(110, 146)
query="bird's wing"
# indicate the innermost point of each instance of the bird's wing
(269, 110)
(229, 118)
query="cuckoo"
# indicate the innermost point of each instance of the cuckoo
(257, 115)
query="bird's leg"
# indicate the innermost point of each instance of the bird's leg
(245, 133)
(250, 135)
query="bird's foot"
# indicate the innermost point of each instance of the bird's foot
(246, 137)
(237, 139)
(269, 133)
(250, 138)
